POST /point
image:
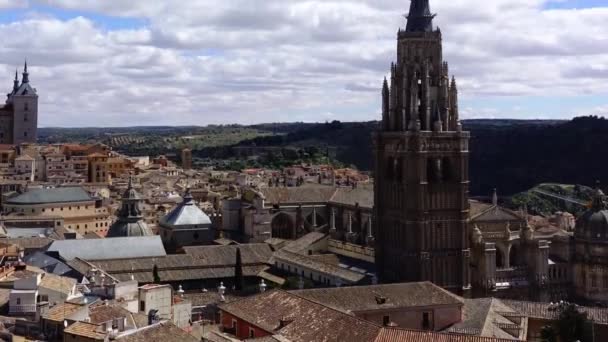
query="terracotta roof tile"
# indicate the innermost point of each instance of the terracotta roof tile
(308, 320)
(402, 335)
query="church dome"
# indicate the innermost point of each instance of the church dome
(123, 229)
(593, 224)
(130, 220)
(186, 213)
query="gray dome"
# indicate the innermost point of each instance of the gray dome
(593, 224)
(130, 221)
(123, 228)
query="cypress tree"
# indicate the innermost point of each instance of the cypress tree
(155, 274)
(238, 272)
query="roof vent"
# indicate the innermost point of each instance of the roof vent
(380, 300)
(285, 321)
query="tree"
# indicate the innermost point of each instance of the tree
(155, 274)
(571, 325)
(238, 272)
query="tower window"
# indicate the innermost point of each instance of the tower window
(26, 106)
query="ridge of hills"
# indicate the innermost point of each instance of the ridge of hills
(510, 155)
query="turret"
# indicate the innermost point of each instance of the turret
(26, 75)
(426, 97)
(385, 105)
(393, 98)
(454, 102)
(16, 83)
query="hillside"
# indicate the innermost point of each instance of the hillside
(510, 155)
(548, 198)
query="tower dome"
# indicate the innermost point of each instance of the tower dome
(593, 224)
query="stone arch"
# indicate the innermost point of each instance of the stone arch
(500, 263)
(515, 257)
(282, 226)
(321, 221)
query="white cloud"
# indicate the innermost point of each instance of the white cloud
(204, 61)
(7, 4)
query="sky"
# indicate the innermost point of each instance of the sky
(199, 62)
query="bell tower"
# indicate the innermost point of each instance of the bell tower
(421, 165)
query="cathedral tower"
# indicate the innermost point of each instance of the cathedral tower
(421, 165)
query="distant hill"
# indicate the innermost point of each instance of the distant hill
(510, 155)
(548, 198)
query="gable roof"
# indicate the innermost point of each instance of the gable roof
(299, 195)
(364, 196)
(366, 298)
(251, 253)
(490, 317)
(52, 195)
(159, 332)
(403, 335)
(106, 249)
(496, 213)
(307, 320)
(542, 310)
(85, 329)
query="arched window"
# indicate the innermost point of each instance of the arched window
(447, 170)
(390, 168)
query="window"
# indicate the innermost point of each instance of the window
(234, 324)
(25, 134)
(26, 106)
(142, 305)
(426, 322)
(251, 333)
(386, 320)
(593, 280)
(18, 301)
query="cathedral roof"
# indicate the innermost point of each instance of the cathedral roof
(186, 213)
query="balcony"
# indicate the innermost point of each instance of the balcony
(22, 309)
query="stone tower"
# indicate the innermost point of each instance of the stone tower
(421, 165)
(25, 111)
(19, 115)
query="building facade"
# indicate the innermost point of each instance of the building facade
(19, 115)
(80, 212)
(421, 156)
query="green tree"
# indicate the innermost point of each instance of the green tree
(571, 325)
(238, 272)
(155, 274)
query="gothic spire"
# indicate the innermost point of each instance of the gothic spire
(16, 82)
(599, 200)
(26, 75)
(420, 18)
